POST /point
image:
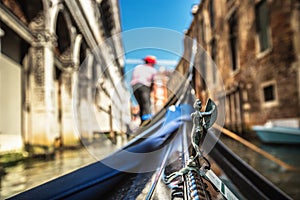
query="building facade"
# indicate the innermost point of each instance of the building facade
(255, 47)
(160, 92)
(61, 71)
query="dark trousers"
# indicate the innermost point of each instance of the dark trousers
(142, 95)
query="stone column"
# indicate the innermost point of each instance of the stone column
(69, 137)
(40, 128)
(85, 112)
(41, 131)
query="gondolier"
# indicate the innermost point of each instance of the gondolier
(141, 83)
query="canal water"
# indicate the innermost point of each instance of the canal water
(33, 172)
(287, 181)
(28, 174)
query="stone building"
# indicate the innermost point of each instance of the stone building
(255, 46)
(61, 71)
(160, 92)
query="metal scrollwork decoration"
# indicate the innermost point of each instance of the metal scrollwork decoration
(202, 121)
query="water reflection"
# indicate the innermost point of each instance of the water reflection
(287, 153)
(288, 181)
(31, 173)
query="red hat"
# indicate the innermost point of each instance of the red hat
(150, 59)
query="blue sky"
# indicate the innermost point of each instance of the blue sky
(173, 15)
(168, 19)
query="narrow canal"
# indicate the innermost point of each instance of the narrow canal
(28, 174)
(287, 181)
(33, 172)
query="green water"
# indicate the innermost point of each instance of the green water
(26, 175)
(287, 181)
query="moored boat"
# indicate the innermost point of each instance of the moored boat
(279, 134)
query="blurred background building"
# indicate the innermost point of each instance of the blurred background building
(255, 45)
(160, 92)
(54, 61)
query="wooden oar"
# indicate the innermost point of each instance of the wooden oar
(255, 148)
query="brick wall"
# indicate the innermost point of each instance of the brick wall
(276, 65)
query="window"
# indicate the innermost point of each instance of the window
(214, 57)
(211, 13)
(202, 31)
(262, 25)
(233, 40)
(107, 17)
(269, 94)
(203, 65)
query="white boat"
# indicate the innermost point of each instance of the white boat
(279, 132)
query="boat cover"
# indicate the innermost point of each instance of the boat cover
(98, 180)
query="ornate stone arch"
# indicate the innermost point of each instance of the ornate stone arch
(52, 9)
(76, 50)
(68, 41)
(23, 10)
(64, 32)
